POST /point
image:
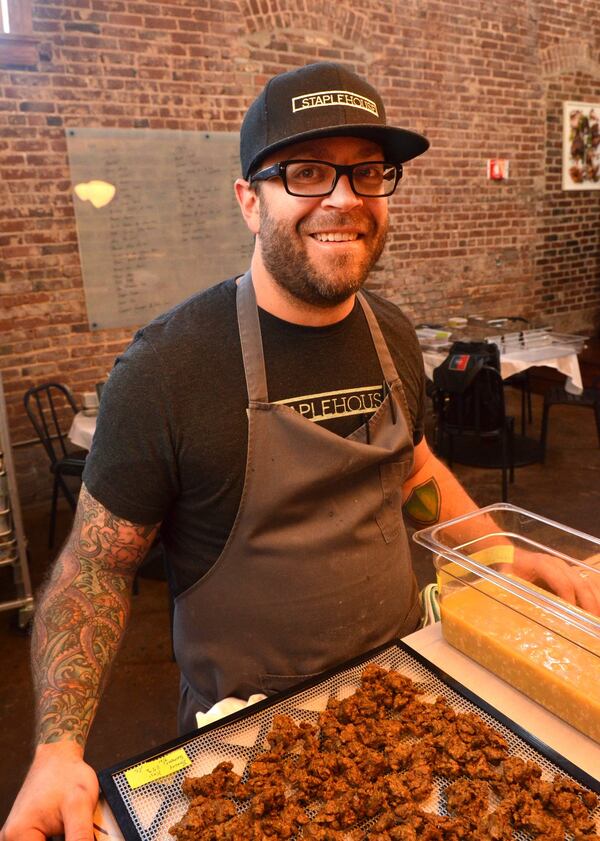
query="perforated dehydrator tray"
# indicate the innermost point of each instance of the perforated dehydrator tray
(146, 813)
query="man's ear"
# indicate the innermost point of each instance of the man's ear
(249, 203)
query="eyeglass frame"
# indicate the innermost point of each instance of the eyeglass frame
(278, 170)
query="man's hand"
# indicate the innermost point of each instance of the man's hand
(59, 795)
(574, 585)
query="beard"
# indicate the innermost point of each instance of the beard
(286, 259)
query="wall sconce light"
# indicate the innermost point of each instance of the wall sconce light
(99, 193)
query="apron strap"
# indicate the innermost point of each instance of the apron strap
(383, 352)
(251, 341)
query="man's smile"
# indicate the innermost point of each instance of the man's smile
(336, 236)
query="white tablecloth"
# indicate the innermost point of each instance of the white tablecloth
(513, 363)
(429, 642)
(82, 430)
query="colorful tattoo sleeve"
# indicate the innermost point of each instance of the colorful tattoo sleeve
(81, 618)
(423, 504)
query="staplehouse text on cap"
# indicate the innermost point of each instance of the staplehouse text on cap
(320, 100)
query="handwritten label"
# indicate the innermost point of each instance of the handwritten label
(503, 554)
(156, 769)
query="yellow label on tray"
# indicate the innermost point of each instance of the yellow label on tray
(156, 769)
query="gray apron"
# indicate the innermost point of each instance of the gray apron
(317, 568)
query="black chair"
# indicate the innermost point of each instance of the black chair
(588, 399)
(51, 408)
(472, 427)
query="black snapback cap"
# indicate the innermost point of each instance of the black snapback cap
(320, 100)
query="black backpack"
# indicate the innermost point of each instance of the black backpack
(468, 387)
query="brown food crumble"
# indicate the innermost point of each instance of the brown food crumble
(372, 758)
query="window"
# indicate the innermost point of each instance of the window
(18, 47)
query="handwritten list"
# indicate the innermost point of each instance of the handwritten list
(172, 228)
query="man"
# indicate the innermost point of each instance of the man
(272, 426)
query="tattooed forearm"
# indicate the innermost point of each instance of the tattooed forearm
(81, 618)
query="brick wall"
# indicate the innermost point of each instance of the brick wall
(567, 262)
(481, 79)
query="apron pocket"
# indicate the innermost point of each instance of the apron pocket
(389, 517)
(272, 684)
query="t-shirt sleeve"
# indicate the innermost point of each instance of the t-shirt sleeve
(131, 468)
(415, 388)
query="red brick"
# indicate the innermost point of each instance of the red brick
(479, 85)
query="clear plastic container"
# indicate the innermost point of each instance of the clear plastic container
(519, 629)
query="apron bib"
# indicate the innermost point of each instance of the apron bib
(316, 569)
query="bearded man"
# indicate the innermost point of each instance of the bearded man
(271, 428)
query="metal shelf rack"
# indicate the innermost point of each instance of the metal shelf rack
(13, 545)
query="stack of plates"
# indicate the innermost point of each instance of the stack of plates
(433, 339)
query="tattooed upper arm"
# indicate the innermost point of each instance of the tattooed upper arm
(102, 538)
(81, 617)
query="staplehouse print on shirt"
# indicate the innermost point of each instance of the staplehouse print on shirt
(330, 405)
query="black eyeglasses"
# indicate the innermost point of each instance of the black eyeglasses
(311, 179)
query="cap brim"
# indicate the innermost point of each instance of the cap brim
(399, 145)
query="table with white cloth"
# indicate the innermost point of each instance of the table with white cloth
(563, 359)
(82, 430)
(541, 724)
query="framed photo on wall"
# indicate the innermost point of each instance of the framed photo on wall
(581, 146)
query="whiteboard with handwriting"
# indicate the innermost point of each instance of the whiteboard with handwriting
(172, 228)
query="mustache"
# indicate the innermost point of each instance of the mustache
(354, 221)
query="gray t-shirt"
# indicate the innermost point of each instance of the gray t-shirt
(171, 437)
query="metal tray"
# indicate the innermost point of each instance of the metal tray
(539, 338)
(146, 813)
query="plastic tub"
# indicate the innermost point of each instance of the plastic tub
(521, 631)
